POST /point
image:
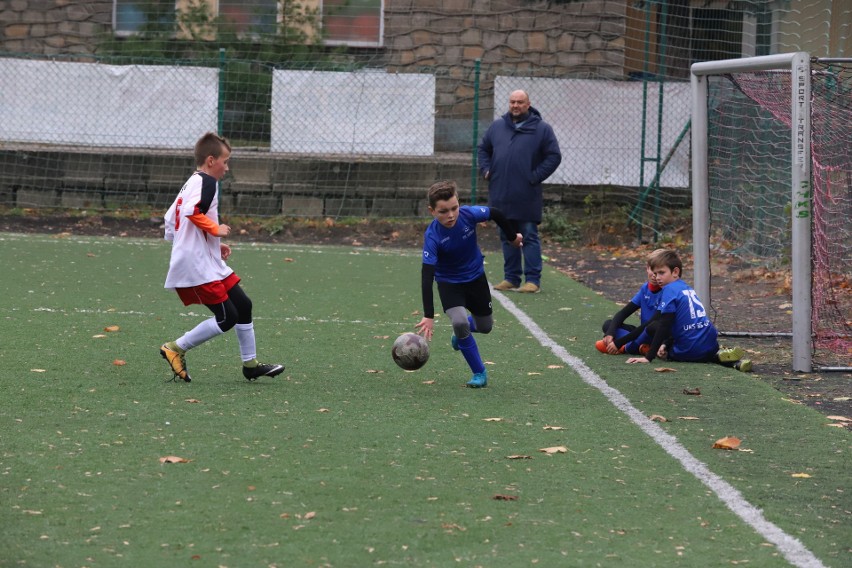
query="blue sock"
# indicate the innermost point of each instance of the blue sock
(470, 351)
(632, 347)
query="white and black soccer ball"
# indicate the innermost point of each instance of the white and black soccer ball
(410, 351)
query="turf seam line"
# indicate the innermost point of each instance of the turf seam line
(793, 550)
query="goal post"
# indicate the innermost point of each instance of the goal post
(798, 64)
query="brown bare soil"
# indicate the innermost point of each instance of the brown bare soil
(612, 271)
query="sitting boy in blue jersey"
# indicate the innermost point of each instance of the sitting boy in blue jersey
(452, 258)
(645, 300)
(680, 328)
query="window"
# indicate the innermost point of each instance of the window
(258, 17)
(357, 23)
(352, 22)
(132, 17)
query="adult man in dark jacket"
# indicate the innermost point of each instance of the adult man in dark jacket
(517, 153)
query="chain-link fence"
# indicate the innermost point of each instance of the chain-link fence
(356, 110)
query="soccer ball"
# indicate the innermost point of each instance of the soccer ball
(410, 351)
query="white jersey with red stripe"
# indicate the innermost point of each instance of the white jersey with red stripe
(196, 254)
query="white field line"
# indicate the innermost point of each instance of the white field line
(792, 548)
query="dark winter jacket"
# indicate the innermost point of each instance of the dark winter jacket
(518, 159)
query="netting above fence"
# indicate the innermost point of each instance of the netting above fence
(750, 163)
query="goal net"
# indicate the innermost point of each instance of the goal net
(773, 198)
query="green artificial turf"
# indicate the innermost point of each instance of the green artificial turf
(345, 459)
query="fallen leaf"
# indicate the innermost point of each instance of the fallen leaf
(505, 497)
(840, 418)
(310, 515)
(693, 392)
(553, 428)
(554, 366)
(492, 419)
(38, 370)
(191, 400)
(665, 370)
(174, 459)
(381, 337)
(658, 418)
(288, 259)
(322, 410)
(98, 336)
(727, 443)
(842, 399)
(533, 373)
(518, 457)
(804, 475)
(792, 400)
(688, 418)
(554, 450)
(111, 328)
(374, 371)
(119, 362)
(428, 382)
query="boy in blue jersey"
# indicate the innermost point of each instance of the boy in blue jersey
(680, 328)
(452, 258)
(615, 330)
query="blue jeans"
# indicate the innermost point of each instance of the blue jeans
(524, 261)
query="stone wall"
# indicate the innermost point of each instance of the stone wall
(538, 38)
(53, 27)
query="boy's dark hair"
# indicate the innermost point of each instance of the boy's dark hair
(211, 144)
(665, 257)
(442, 191)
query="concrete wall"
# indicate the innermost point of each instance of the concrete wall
(259, 183)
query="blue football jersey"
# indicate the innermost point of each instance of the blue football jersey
(693, 335)
(647, 302)
(454, 252)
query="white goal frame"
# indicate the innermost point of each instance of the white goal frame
(799, 65)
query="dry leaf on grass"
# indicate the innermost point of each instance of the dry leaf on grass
(692, 392)
(554, 450)
(688, 418)
(111, 328)
(499, 497)
(191, 400)
(375, 371)
(427, 382)
(173, 459)
(658, 418)
(554, 366)
(98, 336)
(323, 410)
(518, 457)
(727, 443)
(119, 362)
(803, 475)
(38, 370)
(492, 419)
(665, 370)
(288, 259)
(839, 418)
(553, 428)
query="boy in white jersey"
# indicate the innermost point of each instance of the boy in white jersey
(197, 269)
(451, 256)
